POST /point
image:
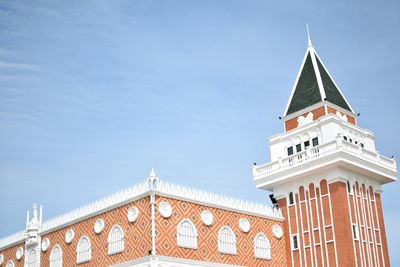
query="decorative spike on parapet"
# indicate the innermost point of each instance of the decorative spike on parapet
(152, 179)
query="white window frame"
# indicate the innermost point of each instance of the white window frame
(184, 238)
(288, 199)
(113, 247)
(349, 185)
(79, 251)
(259, 248)
(223, 243)
(10, 263)
(56, 262)
(292, 241)
(355, 227)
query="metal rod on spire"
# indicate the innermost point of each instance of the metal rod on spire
(308, 36)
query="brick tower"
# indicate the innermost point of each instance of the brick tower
(326, 176)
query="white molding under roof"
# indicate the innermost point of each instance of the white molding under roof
(143, 190)
(315, 106)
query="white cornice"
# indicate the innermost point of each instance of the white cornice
(143, 190)
(315, 106)
(319, 122)
(331, 155)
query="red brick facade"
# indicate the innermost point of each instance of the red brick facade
(323, 216)
(137, 237)
(208, 236)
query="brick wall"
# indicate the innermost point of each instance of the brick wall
(208, 236)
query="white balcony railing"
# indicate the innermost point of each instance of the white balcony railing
(318, 152)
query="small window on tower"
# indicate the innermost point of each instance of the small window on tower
(350, 140)
(306, 144)
(356, 142)
(290, 151)
(355, 232)
(294, 242)
(315, 141)
(291, 200)
(344, 138)
(362, 145)
(349, 188)
(298, 148)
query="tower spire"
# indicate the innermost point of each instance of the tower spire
(308, 36)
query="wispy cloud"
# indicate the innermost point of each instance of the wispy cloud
(16, 66)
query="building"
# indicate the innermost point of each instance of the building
(325, 177)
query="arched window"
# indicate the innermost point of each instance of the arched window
(187, 234)
(115, 240)
(84, 250)
(262, 247)
(10, 263)
(32, 259)
(56, 257)
(226, 241)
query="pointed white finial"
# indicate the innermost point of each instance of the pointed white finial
(35, 215)
(152, 179)
(152, 173)
(308, 36)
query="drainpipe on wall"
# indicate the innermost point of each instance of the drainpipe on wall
(152, 180)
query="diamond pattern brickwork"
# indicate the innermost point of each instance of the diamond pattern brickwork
(9, 254)
(137, 237)
(208, 235)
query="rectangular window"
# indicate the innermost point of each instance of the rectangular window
(298, 148)
(362, 145)
(291, 200)
(349, 188)
(294, 242)
(351, 140)
(355, 232)
(290, 151)
(306, 144)
(315, 141)
(344, 138)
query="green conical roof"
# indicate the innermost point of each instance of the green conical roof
(313, 85)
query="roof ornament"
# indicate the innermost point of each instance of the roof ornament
(308, 36)
(152, 179)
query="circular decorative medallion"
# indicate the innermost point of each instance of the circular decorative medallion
(69, 236)
(98, 226)
(207, 217)
(45, 244)
(244, 225)
(277, 231)
(165, 209)
(133, 214)
(19, 253)
(1, 259)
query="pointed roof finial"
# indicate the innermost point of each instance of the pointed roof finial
(152, 179)
(308, 36)
(35, 215)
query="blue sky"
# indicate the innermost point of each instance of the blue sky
(93, 94)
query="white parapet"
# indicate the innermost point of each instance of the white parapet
(334, 153)
(144, 189)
